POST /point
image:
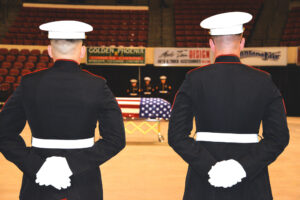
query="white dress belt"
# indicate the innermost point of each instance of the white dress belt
(227, 137)
(62, 144)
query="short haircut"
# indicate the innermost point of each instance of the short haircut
(225, 41)
(65, 46)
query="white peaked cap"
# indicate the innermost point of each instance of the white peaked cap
(147, 78)
(66, 29)
(133, 80)
(163, 77)
(228, 23)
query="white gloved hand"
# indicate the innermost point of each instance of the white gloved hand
(55, 172)
(226, 173)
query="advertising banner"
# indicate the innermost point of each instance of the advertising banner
(192, 57)
(116, 56)
(264, 56)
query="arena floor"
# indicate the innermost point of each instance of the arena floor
(152, 171)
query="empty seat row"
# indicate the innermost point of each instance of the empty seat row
(189, 14)
(113, 27)
(15, 72)
(22, 59)
(20, 65)
(290, 35)
(25, 52)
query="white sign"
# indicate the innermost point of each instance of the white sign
(193, 57)
(264, 56)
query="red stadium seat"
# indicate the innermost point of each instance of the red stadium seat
(19, 79)
(28, 42)
(32, 59)
(35, 52)
(141, 44)
(6, 41)
(124, 44)
(44, 59)
(45, 52)
(18, 65)
(10, 58)
(3, 51)
(50, 64)
(6, 65)
(21, 58)
(2, 58)
(1, 79)
(29, 65)
(14, 51)
(15, 85)
(24, 72)
(4, 87)
(10, 79)
(24, 52)
(41, 65)
(14, 72)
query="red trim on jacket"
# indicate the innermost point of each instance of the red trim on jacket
(284, 106)
(174, 99)
(70, 60)
(37, 70)
(5, 103)
(93, 74)
(198, 68)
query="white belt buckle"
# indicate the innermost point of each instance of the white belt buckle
(227, 137)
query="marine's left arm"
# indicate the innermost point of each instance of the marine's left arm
(275, 133)
(113, 136)
(12, 145)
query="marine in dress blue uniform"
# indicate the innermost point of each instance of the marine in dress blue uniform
(163, 89)
(148, 89)
(228, 100)
(133, 90)
(62, 105)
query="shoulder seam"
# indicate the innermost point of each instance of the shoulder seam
(93, 74)
(197, 68)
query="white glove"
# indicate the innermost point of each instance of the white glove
(55, 172)
(226, 173)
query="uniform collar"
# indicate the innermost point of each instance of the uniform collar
(66, 64)
(228, 58)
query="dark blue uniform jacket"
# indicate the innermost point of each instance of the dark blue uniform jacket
(228, 97)
(63, 102)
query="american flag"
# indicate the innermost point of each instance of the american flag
(139, 107)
